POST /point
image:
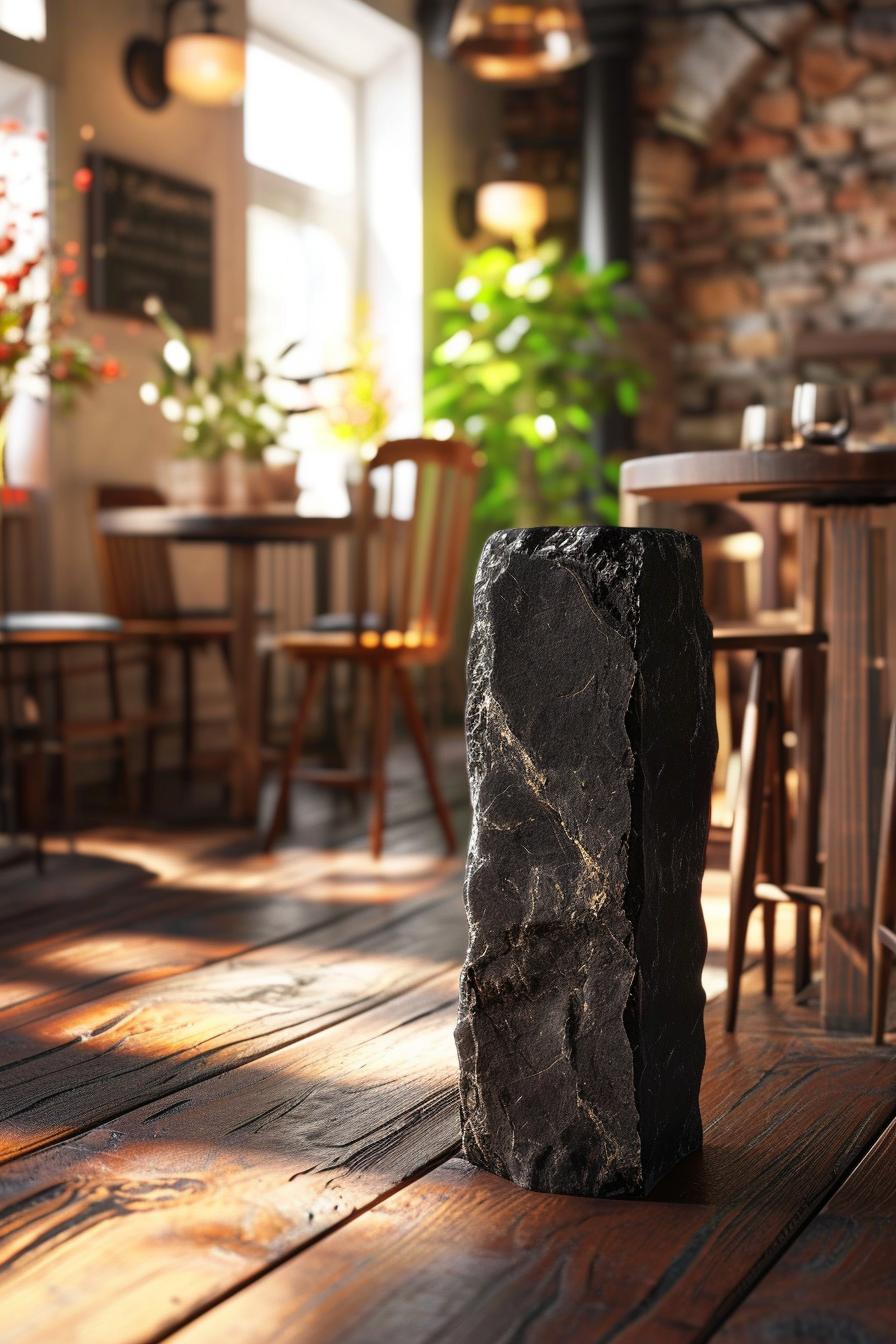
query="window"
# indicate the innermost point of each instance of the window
(24, 18)
(333, 139)
(299, 123)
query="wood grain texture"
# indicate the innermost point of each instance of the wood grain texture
(803, 477)
(463, 1256)
(835, 1283)
(131, 1229)
(66, 1073)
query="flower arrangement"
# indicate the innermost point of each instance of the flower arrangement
(38, 284)
(227, 410)
(531, 353)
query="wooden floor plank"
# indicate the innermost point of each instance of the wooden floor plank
(210, 912)
(79, 1068)
(836, 1282)
(463, 1256)
(126, 1232)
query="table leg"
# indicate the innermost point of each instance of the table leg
(856, 741)
(246, 686)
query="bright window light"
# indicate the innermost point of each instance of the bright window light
(24, 18)
(299, 124)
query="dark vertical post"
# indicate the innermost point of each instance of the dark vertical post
(608, 135)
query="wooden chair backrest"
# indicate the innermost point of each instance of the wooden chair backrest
(408, 568)
(138, 583)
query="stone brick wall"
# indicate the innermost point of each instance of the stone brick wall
(777, 219)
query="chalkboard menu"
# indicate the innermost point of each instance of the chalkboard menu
(149, 234)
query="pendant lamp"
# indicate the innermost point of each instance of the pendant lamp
(519, 43)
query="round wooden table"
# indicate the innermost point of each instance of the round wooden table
(854, 490)
(242, 533)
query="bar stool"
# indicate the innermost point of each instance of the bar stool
(759, 832)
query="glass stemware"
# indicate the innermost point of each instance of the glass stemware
(763, 427)
(822, 414)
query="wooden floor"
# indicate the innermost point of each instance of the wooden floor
(228, 1115)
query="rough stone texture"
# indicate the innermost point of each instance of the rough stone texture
(592, 741)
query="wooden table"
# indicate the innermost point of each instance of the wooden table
(854, 490)
(242, 533)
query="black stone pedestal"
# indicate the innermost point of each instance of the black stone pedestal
(592, 742)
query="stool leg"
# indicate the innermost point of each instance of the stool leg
(745, 834)
(775, 812)
(885, 892)
(809, 717)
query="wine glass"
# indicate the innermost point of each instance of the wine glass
(762, 427)
(822, 414)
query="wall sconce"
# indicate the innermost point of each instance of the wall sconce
(205, 67)
(512, 209)
(503, 203)
(519, 43)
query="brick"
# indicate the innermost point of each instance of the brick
(759, 226)
(878, 135)
(879, 85)
(664, 178)
(750, 199)
(845, 111)
(823, 141)
(877, 273)
(755, 344)
(825, 72)
(853, 195)
(880, 47)
(720, 296)
(751, 146)
(705, 203)
(883, 389)
(862, 251)
(794, 296)
(703, 254)
(653, 275)
(778, 111)
(778, 251)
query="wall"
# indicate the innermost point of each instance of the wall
(783, 223)
(111, 436)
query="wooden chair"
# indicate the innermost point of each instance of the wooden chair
(138, 585)
(884, 943)
(760, 831)
(407, 573)
(25, 736)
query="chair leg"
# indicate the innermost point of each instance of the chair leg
(187, 712)
(885, 892)
(382, 715)
(769, 911)
(745, 833)
(418, 732)
(293, 753)
(153, 696)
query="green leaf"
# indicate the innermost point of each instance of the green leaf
(628, 398)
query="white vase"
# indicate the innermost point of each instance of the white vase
(191, 483)
(26, 457)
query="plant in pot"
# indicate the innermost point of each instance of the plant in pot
(228, 426)
(532, 353)
(39, 286)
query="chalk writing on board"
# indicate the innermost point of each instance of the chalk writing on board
(149, 234)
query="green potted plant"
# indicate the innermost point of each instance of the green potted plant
(532, 352)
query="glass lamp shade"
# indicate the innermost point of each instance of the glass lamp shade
(512, 209)
(207, 68)
(519, 43)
